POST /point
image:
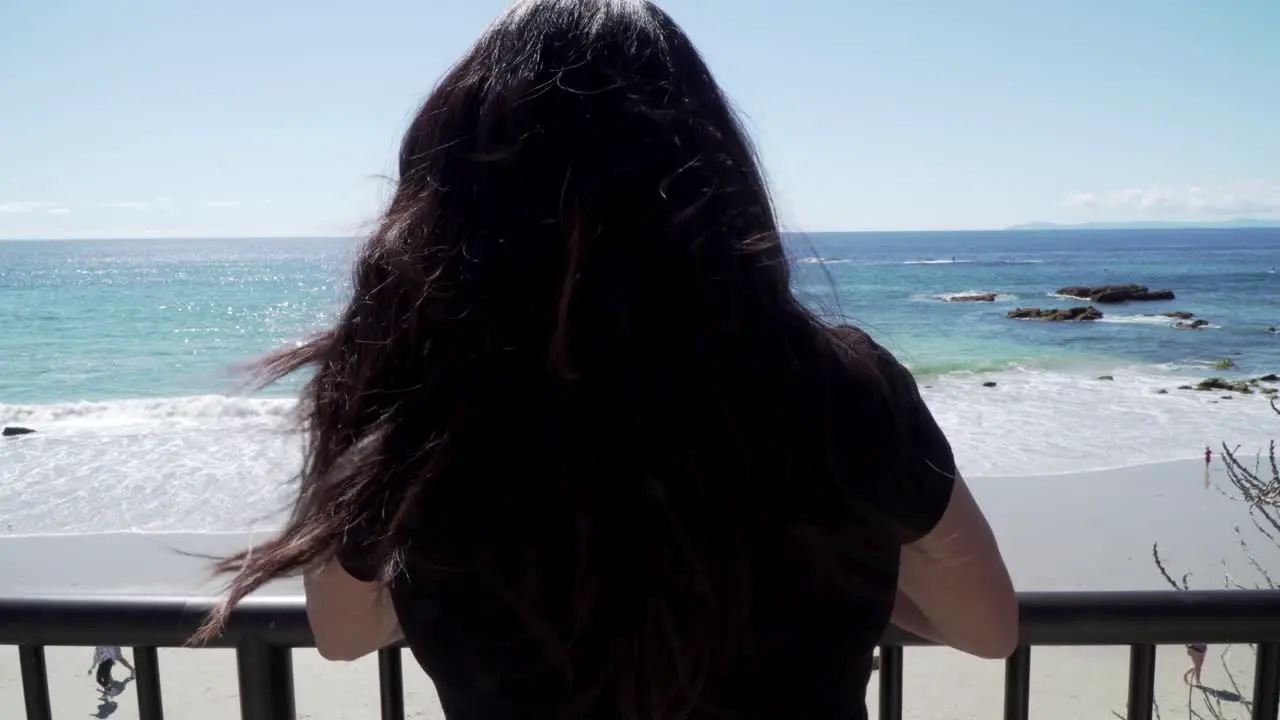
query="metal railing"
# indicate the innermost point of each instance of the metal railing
(264, 631)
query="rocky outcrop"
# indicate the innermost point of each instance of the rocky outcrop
(1213, 383)
(1075, 314)
(1115, 293)
(1178, 315)
(971, 297)
(12, 430)
(1193, 325)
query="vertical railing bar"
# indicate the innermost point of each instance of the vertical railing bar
(147, 665)
(35, 682)
(1017, 684)
(391, 683)
(1266, 682)
(1142, 681)
(890, 682)
(266, 681)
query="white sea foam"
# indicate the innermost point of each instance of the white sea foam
(1046, 422)
(958, 261)
(1137, 319)
(949, 297)
(191, 463)
(213, 463)
(200, 412)
(824, 261)
(1149, 320)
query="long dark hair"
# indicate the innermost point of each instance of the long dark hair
(572, 335)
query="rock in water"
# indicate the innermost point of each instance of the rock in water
(1193, 325)
(974, 297)
(1115, 293)
(1075, 314)
(12, 430)
(1215, 383)
(1178, 315)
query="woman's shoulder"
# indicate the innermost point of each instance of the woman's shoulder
(873, 364)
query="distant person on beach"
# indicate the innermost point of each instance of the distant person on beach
(574, 438)
(1208, 458)
(104, 658)
(1196, 652)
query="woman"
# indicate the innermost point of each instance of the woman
(574, 438)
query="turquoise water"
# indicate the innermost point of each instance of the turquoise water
(99, 320)
(153, 318)
(123, 355)
(1226, 276)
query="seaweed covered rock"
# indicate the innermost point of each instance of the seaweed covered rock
(1216, 383)
(1075, 314)
(1106, 294)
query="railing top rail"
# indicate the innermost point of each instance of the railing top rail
(1056, 618)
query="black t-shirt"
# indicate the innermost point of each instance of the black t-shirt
(811, 644)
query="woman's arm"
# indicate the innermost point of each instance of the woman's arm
(957, 585)
(953, 586)
(908, 616)
(350, 618)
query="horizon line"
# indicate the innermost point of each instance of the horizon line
(1233, 224)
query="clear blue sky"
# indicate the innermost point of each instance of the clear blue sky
(252, 117)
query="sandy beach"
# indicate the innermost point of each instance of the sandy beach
(1059, 532)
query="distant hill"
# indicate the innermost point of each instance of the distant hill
(1154, 225)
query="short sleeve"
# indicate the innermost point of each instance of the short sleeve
(910, 484)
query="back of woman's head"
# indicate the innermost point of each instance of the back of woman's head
(577, 191)
(571, 336)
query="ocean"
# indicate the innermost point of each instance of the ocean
(125, 356)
